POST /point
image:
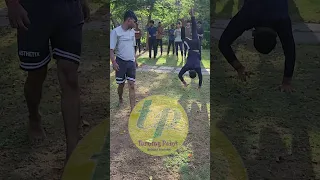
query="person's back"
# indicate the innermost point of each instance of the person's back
(266, 10)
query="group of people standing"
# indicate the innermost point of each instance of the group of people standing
(177, 35)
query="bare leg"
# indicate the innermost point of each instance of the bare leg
(33, 93)
(70, 102)
(120, 92)
(132, 94)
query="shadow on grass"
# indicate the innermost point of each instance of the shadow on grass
(19, 158)
(195, 143)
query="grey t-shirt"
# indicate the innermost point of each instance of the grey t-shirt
(123, 41)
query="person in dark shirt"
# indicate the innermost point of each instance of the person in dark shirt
(193, 64)
(138, 35)
(269, 20)
(200, 34)
(152, 31)
(171, 39)
(60, 22)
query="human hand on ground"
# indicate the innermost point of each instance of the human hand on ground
(287, 88)
(185, 84)
(115, 66)
(18, 16)
(243, 74)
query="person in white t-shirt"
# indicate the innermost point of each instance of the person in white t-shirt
(122, 40)
(178, 39)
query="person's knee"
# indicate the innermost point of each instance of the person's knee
(68, 74)
(131, 85)
(37, 77)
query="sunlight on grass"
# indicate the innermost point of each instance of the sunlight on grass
(178, 159)
(171, 60)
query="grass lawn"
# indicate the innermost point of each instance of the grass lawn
(300, 10)
(19, 158)
(178, 165)
(171, 60)
(276, 134)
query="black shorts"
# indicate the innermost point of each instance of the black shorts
(58, 22)
(127, 71)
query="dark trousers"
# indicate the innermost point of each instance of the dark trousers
(200, 40)
(159, 42)
(179, 44)
(152, 45)
(138, 44)
(171, 42)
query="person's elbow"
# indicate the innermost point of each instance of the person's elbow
(223, 44)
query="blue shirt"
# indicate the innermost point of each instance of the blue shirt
(152, 32)
(171, 34)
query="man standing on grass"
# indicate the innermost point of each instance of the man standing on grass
(188, 35)
(152, 42)
(200, 34)
(138, 35)
(159, 36)
(269, 19)
(171, 39)
(122, 39)
(59, 22)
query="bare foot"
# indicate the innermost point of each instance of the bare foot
(35, 130)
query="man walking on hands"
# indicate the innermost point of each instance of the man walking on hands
(122, 39)
(59, 22)
(269, 19)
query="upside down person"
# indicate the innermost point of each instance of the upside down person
(193, 60)
(269, 19)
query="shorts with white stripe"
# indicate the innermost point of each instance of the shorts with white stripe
(62, 27)
(127, 71)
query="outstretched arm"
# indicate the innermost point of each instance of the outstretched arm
(238, 24)
(181, 73)
(284, 30)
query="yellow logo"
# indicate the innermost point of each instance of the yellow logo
(90, 160)
(231, 165)
(158, 125)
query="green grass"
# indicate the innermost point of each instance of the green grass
(195, 104)
(300, 10)
(2, 4)
(171, 60)
(16, 150)
(264, 124)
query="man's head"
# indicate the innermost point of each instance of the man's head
(265, 39)
(192, 74)
(188, 24)
(130, 19)
(151, 23)
(178, 25)
(199, 23)
(159, 24)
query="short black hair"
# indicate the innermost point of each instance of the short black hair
(265, 40)
(151, 21)
(130, 14)
(192, 74)
(179, 22)
(159, 22)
